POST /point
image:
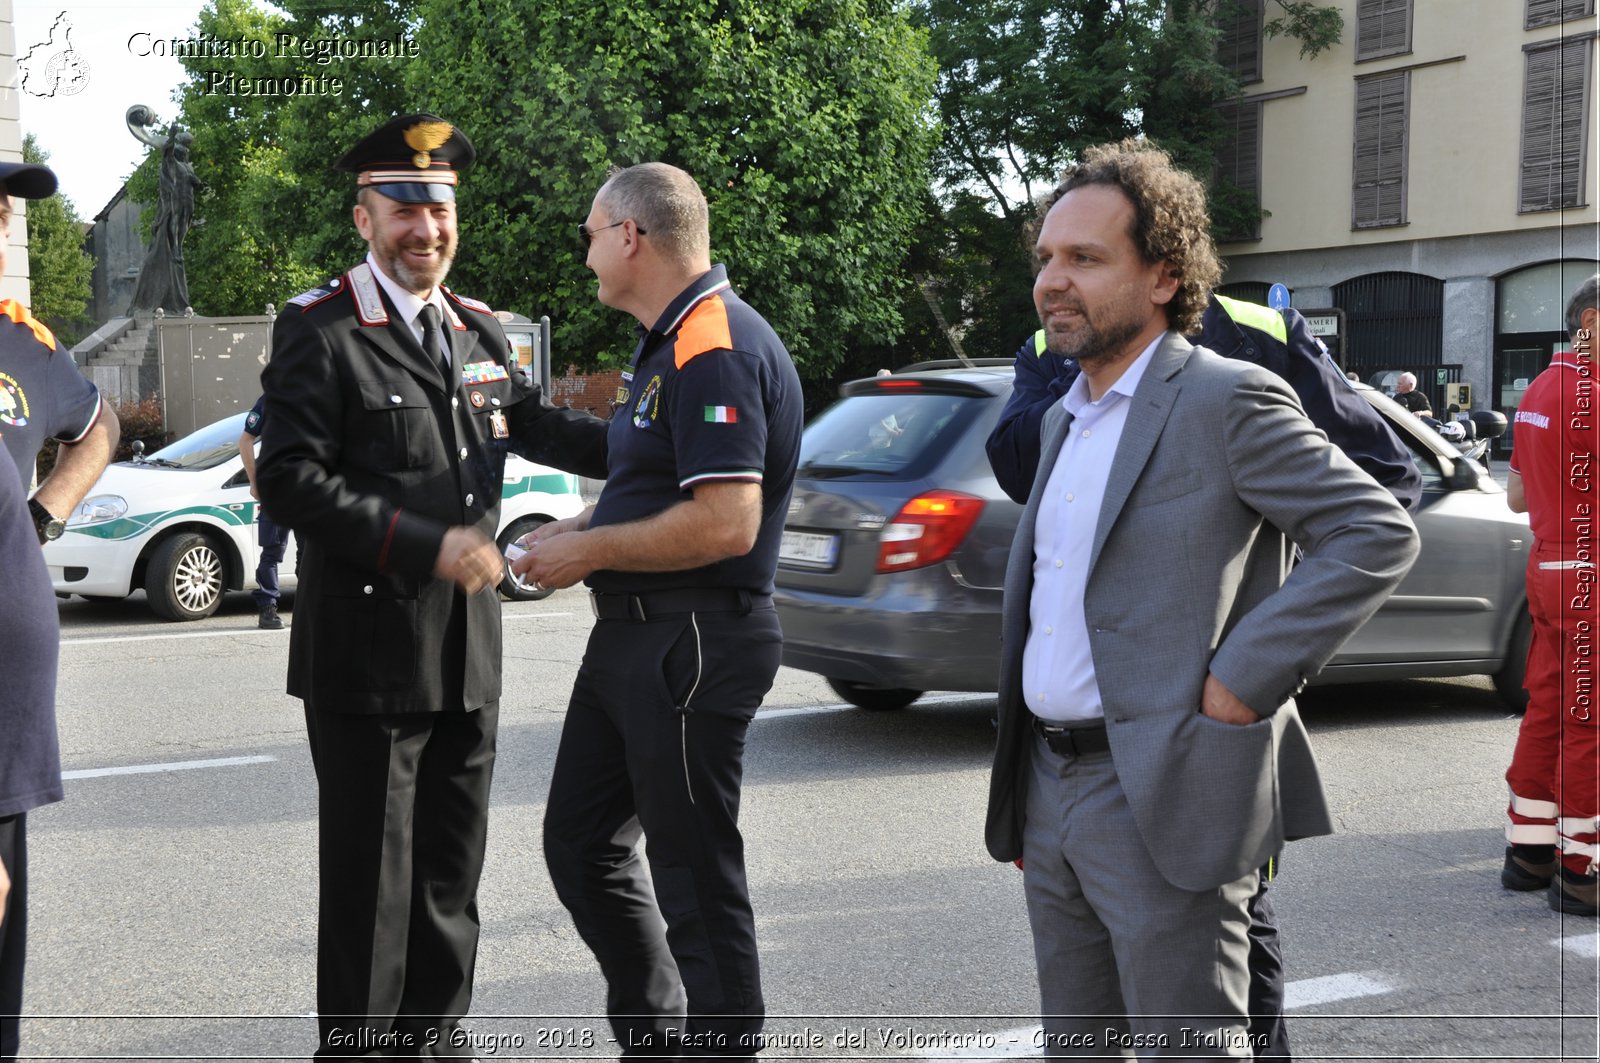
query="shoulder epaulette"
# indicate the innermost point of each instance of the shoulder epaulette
(704, 329)
(470, 304)
(19, 314)
(1254, 315)
(306, 300)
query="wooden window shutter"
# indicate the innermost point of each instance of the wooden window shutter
(1239, 37)
(1555, 105)
(1550, 12)
(1378, 193)
(1383, 27)
(1239, 157)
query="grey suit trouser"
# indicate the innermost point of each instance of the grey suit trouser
(1127, 961)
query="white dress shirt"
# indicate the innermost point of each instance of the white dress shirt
(1058, 680)
(409, 305)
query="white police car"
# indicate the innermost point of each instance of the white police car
(181, 524)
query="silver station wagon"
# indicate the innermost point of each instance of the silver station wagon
(895, 548)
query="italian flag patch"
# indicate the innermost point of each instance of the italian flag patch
(721, 415)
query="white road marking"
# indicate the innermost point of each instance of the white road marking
(818, 710)
(179, 765)
(242, 632)
(1024, 1040)
(174, 635)
(1309, 991)
(1585, 945)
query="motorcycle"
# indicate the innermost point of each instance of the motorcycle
(1470, 433)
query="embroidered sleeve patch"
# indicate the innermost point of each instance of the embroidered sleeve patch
(721, 415)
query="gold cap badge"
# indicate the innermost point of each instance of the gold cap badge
(423, 138)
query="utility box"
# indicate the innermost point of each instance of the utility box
(530, 346)
(1458, 395)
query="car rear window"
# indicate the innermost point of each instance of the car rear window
(891, 433)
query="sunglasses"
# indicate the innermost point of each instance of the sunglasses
(588, 233)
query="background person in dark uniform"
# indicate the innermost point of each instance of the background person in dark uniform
(273, 537)
(680, 553)
(383, 448)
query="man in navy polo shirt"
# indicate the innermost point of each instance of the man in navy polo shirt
(680, 554)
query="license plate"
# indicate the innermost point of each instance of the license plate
(809, 548)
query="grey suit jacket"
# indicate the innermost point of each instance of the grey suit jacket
(1216, 465)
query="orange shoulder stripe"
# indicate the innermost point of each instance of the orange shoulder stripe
(705, 329)
(19, 313)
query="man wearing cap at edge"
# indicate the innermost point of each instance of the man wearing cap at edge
(383, 447)
(42, 395)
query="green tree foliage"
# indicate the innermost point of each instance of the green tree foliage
(806, 122)
(1026, 85)
(59, 269)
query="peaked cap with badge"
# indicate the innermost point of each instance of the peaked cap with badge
(413, 159)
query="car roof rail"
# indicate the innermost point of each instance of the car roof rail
(953, 363)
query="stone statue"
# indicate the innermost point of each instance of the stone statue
(162, 280)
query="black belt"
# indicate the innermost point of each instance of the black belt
(1073, 741)
(651, 604)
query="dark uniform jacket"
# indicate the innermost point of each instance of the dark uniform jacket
(370, 454)
(1280, 341)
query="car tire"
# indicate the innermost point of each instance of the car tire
(878, 699)
(508, 586)
(1513, 672)
(184, 577)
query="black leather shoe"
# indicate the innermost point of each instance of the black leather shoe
(1524, 871)
(269, 619)
(1575, 894)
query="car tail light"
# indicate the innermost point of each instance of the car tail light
(927, 530)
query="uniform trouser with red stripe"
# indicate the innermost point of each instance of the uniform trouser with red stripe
(1555, 770)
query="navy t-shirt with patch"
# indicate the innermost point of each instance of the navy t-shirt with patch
(713, 397)
(30, 760)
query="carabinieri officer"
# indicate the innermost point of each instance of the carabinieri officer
(390, 406)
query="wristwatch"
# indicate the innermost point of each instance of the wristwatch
(47, 524)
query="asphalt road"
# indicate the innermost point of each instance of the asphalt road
(173, 910)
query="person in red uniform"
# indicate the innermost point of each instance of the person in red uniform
(1555, 770)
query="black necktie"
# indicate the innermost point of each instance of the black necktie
(430, 338)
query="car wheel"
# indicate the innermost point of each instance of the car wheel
(1513, 673)
(869, 697)
(184, 578)
(508, 586)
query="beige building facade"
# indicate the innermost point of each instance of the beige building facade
(14, 284)
(1433, 178)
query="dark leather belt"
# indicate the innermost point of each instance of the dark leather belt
(649, 605)
(1073, 741)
